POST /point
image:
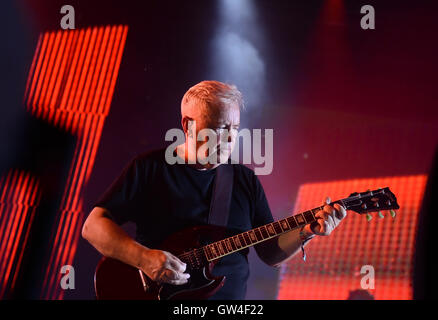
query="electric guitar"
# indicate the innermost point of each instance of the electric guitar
(201, 247)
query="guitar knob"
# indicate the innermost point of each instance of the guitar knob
(364, 206)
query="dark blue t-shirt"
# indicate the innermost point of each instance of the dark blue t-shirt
(162, 199)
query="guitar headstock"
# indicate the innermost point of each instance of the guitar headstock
(372, 201)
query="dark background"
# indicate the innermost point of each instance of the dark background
(343, 102)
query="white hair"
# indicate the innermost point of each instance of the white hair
(211, 93)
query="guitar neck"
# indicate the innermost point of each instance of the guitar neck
(255, 236)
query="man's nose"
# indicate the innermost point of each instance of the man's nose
(226, 138)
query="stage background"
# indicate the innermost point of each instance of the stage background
(344, 103)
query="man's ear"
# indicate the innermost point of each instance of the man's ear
(185, 123)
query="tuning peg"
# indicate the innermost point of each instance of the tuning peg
(369, 217)
(393, 213)
(381, 215)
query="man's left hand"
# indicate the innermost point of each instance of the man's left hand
(327, 219)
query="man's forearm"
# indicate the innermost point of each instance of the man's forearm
(284, 247)
(111, 240)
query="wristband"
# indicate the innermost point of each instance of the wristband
(304, 240)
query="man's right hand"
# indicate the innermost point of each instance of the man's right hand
(164, 267)
(112, 241)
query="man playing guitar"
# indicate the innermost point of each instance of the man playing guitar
(162, 199)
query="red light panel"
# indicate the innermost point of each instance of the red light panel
(332, 268)
(71, 85)
(19, 197)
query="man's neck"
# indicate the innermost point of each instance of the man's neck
(182, 152)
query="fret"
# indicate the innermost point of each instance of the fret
(300, 219)
(264, 232)
(242, 240)
(219, 249)
(258, 234)
(229, 247)
(224, 246)
(247, 238)
(252, 236)
(270, 229)
(233, 245)
(237, 241)
(207, 253)
(284, 224)
(277, 228)
(216, 245)
(292, 222)
(309, 216)
(213, 250)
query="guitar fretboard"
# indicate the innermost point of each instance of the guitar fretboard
(252, 237)
(365, 202)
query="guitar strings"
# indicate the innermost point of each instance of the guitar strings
(198, 255)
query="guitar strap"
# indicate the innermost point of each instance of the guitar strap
(221, 195)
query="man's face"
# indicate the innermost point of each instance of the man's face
(223, 122)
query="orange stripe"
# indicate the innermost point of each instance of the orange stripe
(60, 67)
(78, 71)
(32, 69)
(6, 231)
(108, 73)
(49, 71)
(102, 69)
(64, 247)
(20, 258)
(83, 105)
(116, 69)
(105, 72)
(36, 76)
(92, 153)
(76, 183)
(84, 71)
(74, 190)
(61, 235)
(77, 45)
(33, 203)
(16, 213)
(54, 73)
(27, 193)
(42, 80)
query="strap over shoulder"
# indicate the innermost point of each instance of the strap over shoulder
(221, 195)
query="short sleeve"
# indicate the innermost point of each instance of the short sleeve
(262, 212)
(123, 197)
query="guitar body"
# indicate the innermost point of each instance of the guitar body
(114, 280)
